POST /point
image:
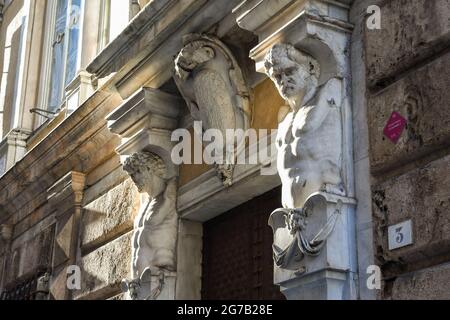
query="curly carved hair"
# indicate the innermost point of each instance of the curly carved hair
(280, 50)
(147, 160)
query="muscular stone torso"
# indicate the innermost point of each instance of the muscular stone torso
(309, 150)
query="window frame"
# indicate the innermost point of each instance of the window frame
(48, 50)
(104, 25)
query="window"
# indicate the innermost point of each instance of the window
(65, 49)
(115, 17)
(29, 288)
(12, 73)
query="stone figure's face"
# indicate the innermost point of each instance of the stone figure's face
(148, 182)
(147, 170)
(295, 73)
(289, 77)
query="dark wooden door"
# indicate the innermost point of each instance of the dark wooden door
(237, 252)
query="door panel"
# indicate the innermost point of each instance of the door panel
(237, 252)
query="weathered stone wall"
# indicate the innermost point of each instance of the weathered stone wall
(105, 236)
(110, 215)
(408, 71)
(104, 269)
(30, 253)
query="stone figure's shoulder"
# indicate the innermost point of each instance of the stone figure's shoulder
(330, 91)
(286, 123)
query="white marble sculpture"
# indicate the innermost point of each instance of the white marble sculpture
(309, 146)
(155, 230)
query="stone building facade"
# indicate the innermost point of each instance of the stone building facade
(355, 180)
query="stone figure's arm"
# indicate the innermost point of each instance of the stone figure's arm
(140, 218)
(310, 118)
(167, 207)
(170, 194)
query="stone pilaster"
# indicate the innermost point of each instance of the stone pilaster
(6, 233)
(65, 198)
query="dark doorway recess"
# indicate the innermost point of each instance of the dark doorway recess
(237, 252)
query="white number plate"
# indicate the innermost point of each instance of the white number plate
(400, 235)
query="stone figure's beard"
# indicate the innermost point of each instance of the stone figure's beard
(288, 92)
(298, 98)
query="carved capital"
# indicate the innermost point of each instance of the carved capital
(6, 232)
(72, 184)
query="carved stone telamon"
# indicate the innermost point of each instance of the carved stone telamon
(310, 136)
(155, 230)
(309, 146)
(211, 81)
(145, 123)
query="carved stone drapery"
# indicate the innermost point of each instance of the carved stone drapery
(307, 60)
(145, 123)
(211, 81)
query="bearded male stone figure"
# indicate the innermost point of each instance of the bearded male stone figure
(309, 138)
(155, 230)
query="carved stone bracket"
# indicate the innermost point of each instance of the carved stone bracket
(313, 248)
(145, 123)
(211, 81)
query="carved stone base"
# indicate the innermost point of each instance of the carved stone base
(323, 285)
(154, 288)
(331, 274)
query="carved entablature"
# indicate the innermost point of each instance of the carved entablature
(211, 81)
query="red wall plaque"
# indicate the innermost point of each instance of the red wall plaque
(395, 127)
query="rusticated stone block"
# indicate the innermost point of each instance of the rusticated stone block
(103, 269)
(110, 215)
(423, 98)
(428, 284)
(64, 233)
(421, 195)
(31, 255)
(410, 31)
